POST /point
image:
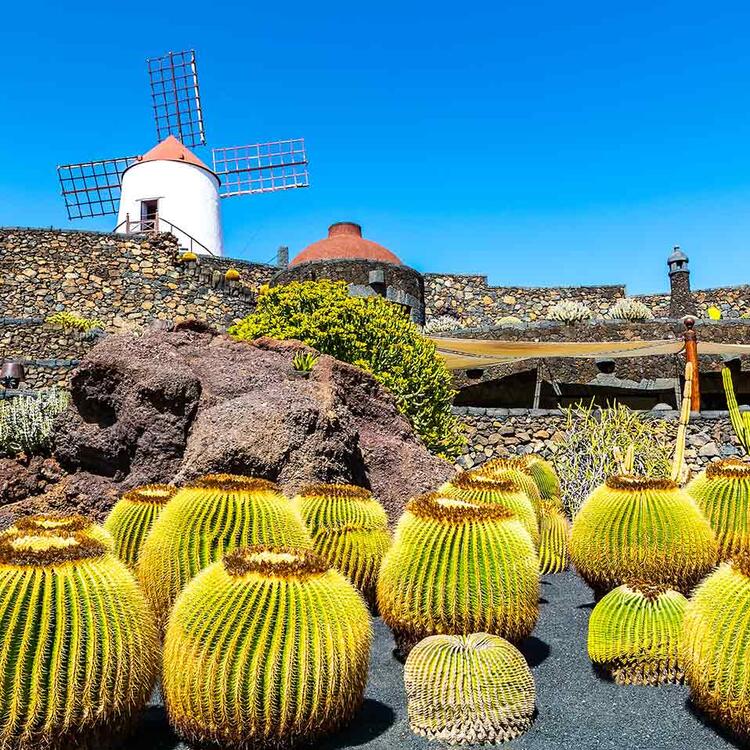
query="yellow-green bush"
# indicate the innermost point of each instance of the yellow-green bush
(349, 529)
(61, 523)
(635, 634)
(132, 517)
(716, 646)
(79, 648)
(206, 519)
(515, 469)
(71, 322)
(554, 531)
(468, 689)
(372, 333)
(635, 528)
(457, 567)
(266, 648)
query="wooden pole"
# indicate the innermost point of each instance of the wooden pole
(691, 355)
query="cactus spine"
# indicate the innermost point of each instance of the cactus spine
(456, 567)
(206, 519)
(132, 517)
(79, 650)
(716, 646)
(468, 689)
(264, 649)
(635, 632)
(636, 528)
(722, 492)
(553, 539)
(60, 523)
(349, 529)
(514, 469)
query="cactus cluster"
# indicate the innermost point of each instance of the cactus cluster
(206, 519)
(468, 689)
(554, 531)
(265, 648)
(79, 650)
(638, 528)
(722, 492)
(635, 634)
(515, 469)
(130, 520)
(349, 529)
(458, 567)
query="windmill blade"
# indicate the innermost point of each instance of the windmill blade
(176, 97)
(261, 167)
(92, 188)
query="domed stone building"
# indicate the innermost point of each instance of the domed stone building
(367, 267)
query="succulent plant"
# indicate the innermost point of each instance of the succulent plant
(79, 647)
(349, 529)
(740, 419)
(554, 530)
(458, 567)
(132, 517)
(716, 646)
(468, 689)
(188, 257)
(630, 309)
(503, 491)
(206, 519)
(543, 475)
(635, 634)
(508, 320)
(232, 274)
(638, 528)
(60, 523)
(569, 312)
(265, 648)
(442, 324)
(516, 469)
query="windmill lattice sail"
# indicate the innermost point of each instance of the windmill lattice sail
(92, 188)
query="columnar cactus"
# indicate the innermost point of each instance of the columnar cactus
(635, 634)
(349, 529)
(61, 523)
(716, 646)
(206, 519)
(79, 648)
(266, 648)
(132, 517)
(468, 689)
(637, 528)
(543, 475)
(458, 567)
(553, 539)
(515, 469)
(502, 491)
(722, 492)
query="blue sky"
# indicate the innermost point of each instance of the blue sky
(538, 142)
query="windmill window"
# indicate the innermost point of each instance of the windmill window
(149, 214)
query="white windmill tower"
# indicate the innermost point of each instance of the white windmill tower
(169, 189)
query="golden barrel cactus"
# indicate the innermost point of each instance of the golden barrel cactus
(638, 528)
(132, 517)
(79, 648)
(635, 634)
(502, 491)
(543, 475)
(722, 492)
(716, 646)
(517, 470)
(468, 689)
(349, 529)
(266, 648)
(554, 531)
(206, 519)
(62, 523)
(457, 567)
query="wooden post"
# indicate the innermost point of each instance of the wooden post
(691, 355)
(127, 223)
(537, 388)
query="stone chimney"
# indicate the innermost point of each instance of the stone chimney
(681, 299)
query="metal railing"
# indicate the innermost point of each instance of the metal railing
(156, 224)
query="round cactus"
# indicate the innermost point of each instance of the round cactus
(468, 689)
(264, 649)
(637, 528)
(349, 529)
(722, 492)
(716, 645)
(514, 469)
(554, 530)
(232, 274)
(188, 257)
(79, 651)
(544, 476)
(206, 519)
(635, 632)
(132, 517)
(502, 491)
(61, 523)
(458, 567)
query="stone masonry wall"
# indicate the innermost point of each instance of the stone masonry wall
(732, 301)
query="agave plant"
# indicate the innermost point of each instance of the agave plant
(569, 312)
(630, 309)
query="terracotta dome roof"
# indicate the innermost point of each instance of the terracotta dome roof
(345, 241)
(170, 149)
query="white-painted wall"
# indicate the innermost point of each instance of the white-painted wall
(188, 197)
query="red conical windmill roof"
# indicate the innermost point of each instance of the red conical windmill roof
(170, 149)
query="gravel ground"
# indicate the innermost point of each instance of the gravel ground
(576, 709)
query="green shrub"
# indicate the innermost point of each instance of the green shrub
(26, 421)
(71, 322)
(373, 334)
(304, 361)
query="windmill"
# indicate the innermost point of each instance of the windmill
(169, 188)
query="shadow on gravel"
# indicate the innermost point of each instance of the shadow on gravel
(724, 733)
(588, 605)
(153, 732)
(534, 650)
(373, 719)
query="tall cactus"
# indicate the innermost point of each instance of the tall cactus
(206, 519)
(267, 648)
(740, 420)
(543, 475)
(458, 567)
(553, 539)
(62, 523)
(515, 469)
(678, 462)
(79, 648)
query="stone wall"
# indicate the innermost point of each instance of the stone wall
(732, 301)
